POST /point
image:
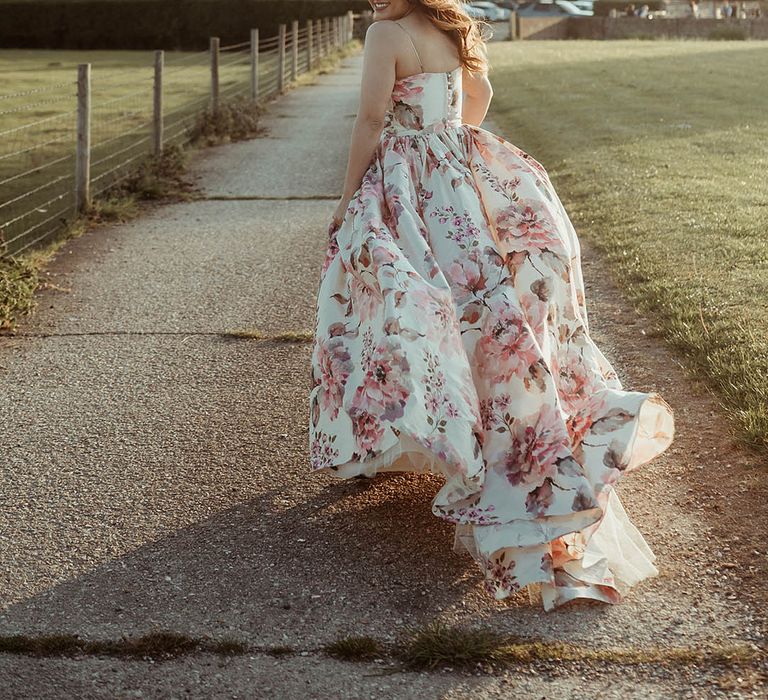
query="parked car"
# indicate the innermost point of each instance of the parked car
(656, 8)
(474, 12)
(493, 13)
(553, 8)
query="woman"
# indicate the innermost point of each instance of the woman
(452, 330)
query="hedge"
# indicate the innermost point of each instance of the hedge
(153, 24)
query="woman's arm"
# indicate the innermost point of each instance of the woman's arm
(378, 79)
(477, 97)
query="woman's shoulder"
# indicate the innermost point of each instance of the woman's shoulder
(382, 42)
(383, 29)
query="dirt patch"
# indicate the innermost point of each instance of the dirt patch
(720, 483)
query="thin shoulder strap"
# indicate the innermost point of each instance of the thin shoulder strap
(421, 65)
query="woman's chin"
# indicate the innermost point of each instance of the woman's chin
(385, 12)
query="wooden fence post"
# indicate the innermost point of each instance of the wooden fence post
(310, 46)
(214, 52)
(83, 149)
(350, 26)
(281, 59)
(157, 112)
(327, 35)
(294, 50)
(512, 25)
(255, 65)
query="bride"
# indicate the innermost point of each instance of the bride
(452, 332)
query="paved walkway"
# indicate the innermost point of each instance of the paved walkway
(155, 474)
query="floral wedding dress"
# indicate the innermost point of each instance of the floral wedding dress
(452, 337)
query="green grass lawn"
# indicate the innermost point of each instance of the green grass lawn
(126, 76)
(659, 151)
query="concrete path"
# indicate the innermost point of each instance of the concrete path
(155, 471)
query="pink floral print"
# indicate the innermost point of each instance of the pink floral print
(452, 336)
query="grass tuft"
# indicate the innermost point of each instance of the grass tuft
(155, 177)
(280, 651)
(156, 645)
(440, 644)
(236, 119)
(18, 281)
(294, 337)
(113, 208)
(286, 337)
(246, 334)
(355, 649)
(229, 647)
(43, 645)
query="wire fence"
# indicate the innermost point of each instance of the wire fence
(63, 143)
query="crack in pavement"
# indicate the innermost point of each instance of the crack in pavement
(166, 644)
(267, 198)
(287, 337)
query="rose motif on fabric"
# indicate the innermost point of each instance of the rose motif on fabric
(408, 115)
(366, 296)
(527, 226)
(367, 430)
(538, 442)
(467, 278)
(500, 580)
(334, 364)
(507, 347)
(387, 384)
(333, 246)
(404, 90)
(322, 451)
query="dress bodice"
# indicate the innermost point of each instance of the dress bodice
(424, 102)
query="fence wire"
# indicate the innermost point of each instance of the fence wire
(38, 123)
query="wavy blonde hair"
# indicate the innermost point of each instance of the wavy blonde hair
(469, 34)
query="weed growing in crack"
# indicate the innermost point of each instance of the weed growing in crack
(236, 119)
(280, 651)
(355, 649)
(18, 280)
(43, 645)
(439, 644)
(286, 337)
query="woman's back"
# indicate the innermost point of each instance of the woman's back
(424, 48)
(418, 43)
